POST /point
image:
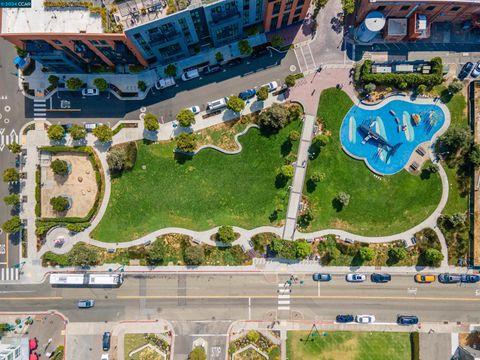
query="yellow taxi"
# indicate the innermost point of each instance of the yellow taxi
(419, 278)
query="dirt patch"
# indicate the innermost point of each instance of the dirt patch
(469, 339)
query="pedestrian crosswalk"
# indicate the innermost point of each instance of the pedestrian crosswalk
(7, 138)
(305, 58)
(9, 274)
(284, 296)
(39, 110)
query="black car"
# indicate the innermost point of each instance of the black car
(380, 278)
(234, 62)
(449, 278)
(106, 341)
(259, 52)
(465, 70)
(344, 318)
(212, 69)
(407, 320)
(466, 278)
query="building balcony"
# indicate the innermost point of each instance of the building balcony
(226, 16)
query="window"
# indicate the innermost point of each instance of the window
(276, 8)
(288, 5)
(258, 10)
(430, 8)
(300, 3)
(103, 42)
(405, 8)
(381, 8)
(295, 19)
(58, 42)
(285, 19)
(273, 24)
(455, 8)
(298, 11)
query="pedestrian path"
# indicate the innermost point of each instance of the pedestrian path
(39, 109)
(9, 274)
(283, 297)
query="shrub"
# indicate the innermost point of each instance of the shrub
(77, 132)
(277, 41)
(74, 83)
(170, 70)
(186, 118)
(82, 255)
(226, 234)
(59, 203)
(59, 167)
(276, 117)
(366, 253)
(11, 174)
(294, 135)
(141, 85)
(235, 104)
(370, 87)
(262, 93)
(303, 248)
(14, 148)
(348, 6)
(343, 198)
(316, 177)
(286, 171)
(151, 122)
(433, 256)
(397, 253)
(156, 253)
(12, 225)
(219, 56)
(77, 227)
(455, 87)
(415, 343)
(253, 336)
(12, 199)
(284, 248)
(321, 140)
(116, 159)
(194, 255)
(262, 240)
(422, 89)
(103, 133)
(244, 47)
(101, 84)
(186, 142)
(198, 353)
(474, 155)
(290, 80)
(56, 132)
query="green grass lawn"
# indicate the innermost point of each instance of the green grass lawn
(377, 207)
(132, 342)
(349, 346)
(198, 192)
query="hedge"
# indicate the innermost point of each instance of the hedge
(415, 342)
(411, 80)
(38, 209)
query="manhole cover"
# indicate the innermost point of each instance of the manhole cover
(293, 68)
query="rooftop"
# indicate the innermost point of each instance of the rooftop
(39, 19)
(132, 13)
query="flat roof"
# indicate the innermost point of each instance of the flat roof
(37, 19)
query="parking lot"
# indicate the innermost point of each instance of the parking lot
(84, 341)
(49, 330)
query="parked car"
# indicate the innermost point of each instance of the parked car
(425, 279)
(164, 83)
(90, 126)
(104, 357)
(210, 69)
(90, 92)
(217, 104)
(407, 320)
(476, 70)
(234, 62)
(66, 127)
(449, 278)
(355, 277)
(465, 70)
(271, 86)
(195, 109)
(380, 278)
(465, 278)
(106, 341)
(86, 304)
(344, 318)
(259, 52)
(321, 277)
(247, 94)
(190, 74)
(365, 319)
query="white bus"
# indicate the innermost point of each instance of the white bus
(86, 280)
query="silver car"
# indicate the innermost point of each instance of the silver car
(365, 319)
(353, 277)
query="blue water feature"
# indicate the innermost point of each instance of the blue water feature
(386, 137)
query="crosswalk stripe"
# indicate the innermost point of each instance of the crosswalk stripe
(283, 302)
(284, 296)
(284, 308)
(9, 274)
(40, 114)
(39, 100)
(37, 105)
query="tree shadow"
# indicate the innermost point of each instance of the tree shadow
(268, 131)
(356, 260)
(286, 147)
(280, 181)
(311, 185)
(182, 158)
(337, 205)
(391, 261)
(445, 96)
(148, 142)
(314, 151)
(425, 174)
(273, 216)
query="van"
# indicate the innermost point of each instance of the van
(217, 104)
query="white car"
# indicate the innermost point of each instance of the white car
(271, 86)
(355, 277)
(476, 70)
(365, 319)
(90, 92)
(104, 357)
(191, 74)
(195, 109)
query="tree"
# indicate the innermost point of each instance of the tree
(244, 47)
(151, 122)
(101, 84)
(226, 234)
(397, 253)
(370, 87)
(422, 89)
(303, 249)
(316, 177)
(59, 203)
(295, 111)
(366, 253)
(290, 80)
(275, 117)
(321, 140)
(348, 6)
(198, 353)
(13, 225)
(457, 220)
(455, 138)
(59, 167)
(343, 198)
(333, 253)
(74, 83)
(83, 256)
(103, 133)
(262, 93)
(11, 174)
(474, 155)
(53, 80)
(402, 85)
(235, 104)
(432, 168)
(170, 70)
(294, 135)
(116, 159)
(14, 148)
(277, 41)
(186, 118)
(56, 132)
(77, 132)
(186, 142)
(253, 336)
(286, 171)
(194, 255)
(433, 256)
(219, 56)
(12, 199)
(156, 253)
(455, 87)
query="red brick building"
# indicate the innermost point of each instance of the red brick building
(281, 13)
